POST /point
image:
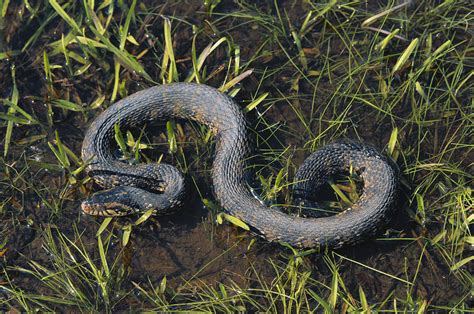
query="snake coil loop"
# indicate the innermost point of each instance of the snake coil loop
(136, 188)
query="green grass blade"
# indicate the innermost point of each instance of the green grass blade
(170, 131)
(169, 53)
(384, 43)
(334, 289)
(235, 80)
(28, 118)
(375, 270)
(11, 111)
(144, 217)
(60, 10)
(326, 306)
(123, 57)
(376, 17)
(235, 221)
(462, 262)
(103, 256)
(103, 226)
(127, 231)
(199, 62)
(255, 103)
(126, 26)
(363, 300)
(68, 105)
(120, 141)
(403, 59)
(392, 143)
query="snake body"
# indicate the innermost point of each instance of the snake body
(136, 188)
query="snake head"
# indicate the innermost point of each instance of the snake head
(107, 203)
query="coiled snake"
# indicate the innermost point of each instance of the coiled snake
(137, 188)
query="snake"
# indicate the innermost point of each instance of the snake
(138, 188)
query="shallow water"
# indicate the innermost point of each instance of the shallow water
(188, 247)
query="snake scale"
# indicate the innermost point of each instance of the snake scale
(137, 188)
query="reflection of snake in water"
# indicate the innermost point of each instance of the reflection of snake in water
(137, 188)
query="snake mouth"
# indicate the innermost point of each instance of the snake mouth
(105, 210)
